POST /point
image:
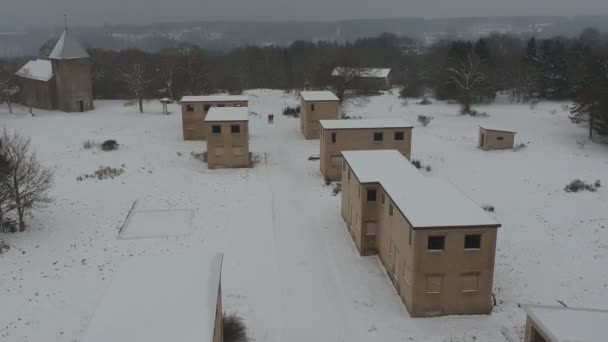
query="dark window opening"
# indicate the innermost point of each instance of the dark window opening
(216, 129)
(312, 107)
(472, 241)
(378, 137)
(371, 195)
(235, 129)
(221, 105)
(333, 138)
(390, 210)
(207, 107)
(399, 136)
(190, 108)
(436, 243)
(500, 138)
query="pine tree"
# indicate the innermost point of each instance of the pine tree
(591, 98)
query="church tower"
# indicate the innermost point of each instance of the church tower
(72, 69)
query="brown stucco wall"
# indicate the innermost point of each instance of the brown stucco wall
(357, 140)
(235, 146)
(193, 123)
(403, 252)
(309, 120)
(73, 81)
(38, 94)
(490, 140)
(218, 331)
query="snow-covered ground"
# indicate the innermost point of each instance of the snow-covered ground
(290, 267)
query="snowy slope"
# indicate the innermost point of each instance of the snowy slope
(289, 264)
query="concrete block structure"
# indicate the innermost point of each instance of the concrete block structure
(560, 324)
(316, 106)
(352, 135)
(195, 109)
(438, 246)
(227, 137)
(162, 298)
(495, 139)
(366, 78)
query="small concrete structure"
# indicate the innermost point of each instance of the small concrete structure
(195, 109)
(160, 299)
(438, 246)
(367, 78)
(560, 324)
(352, 135)
(495, 139)
(227, 137)
(316, 106)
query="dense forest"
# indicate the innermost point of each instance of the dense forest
(466, 71)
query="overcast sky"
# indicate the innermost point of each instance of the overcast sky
(26, 13)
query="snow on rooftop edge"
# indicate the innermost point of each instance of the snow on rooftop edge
(159, 299)
(227, 114)
(569, 324)
(215, 98)
(320, 95)
(37, 69)
(365, 123)
(426, 202)
(497, 129)
(68, 47)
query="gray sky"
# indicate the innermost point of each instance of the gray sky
(23, 13)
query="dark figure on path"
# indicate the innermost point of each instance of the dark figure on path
(270, 119)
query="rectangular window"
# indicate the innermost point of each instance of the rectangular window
(436, 243)
(333, 138)
(371, 195)
(410, 237)
(399, 136)
(470, 282)
(378, 137)
(216, 129)
(348, 174)
(434, 283)
(238, 105)
(221, 105)
(390, 210)
(383, 198)
(207, 107)
(500, 138)
(189, 108)
(312, 107)
(472, 241)
(235, 129)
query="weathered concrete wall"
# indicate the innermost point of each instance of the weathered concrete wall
(73, 81)
(38, 94)
(309, 118)
(227, 149)
(495, 140)
(193, 122)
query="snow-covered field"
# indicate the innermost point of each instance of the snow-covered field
(290, 267)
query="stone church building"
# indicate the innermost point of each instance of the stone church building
(63, 82)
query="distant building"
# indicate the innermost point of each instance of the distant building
(227, 138)
(195, 109)
(495, 139)
(438, 247)
(160, 299)
(63, 82)
(316, 106)
(367, 78)
(560, 324)
(352, 135)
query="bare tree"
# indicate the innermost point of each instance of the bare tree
(345, 77)
(28, 182)
(7, 84)
(137, 82)
(4, 194)
(468, 78)
(167, 74)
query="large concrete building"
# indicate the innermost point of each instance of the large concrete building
(160, 299)
(227, 137)
(63, 82)
(195, 109)
(366, 79)
(316, 106)
(495, 139)
(560, 324)
(438, 246)
(352, 135)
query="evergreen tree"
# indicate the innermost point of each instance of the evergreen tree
(591, 98)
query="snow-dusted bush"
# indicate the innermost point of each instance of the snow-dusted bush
(292, 111)
(199, 156)
(337, 189)
(476, 113)
(489, 208)
(579, 185)
(519, 147)
(425, 120)
(104, 172)
(89, 144)
(235, 329)
(418, 164)
(109, 145)
(425, 101)
(348, 117)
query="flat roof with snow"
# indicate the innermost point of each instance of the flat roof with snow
(364, 123)
(321, 95)
(425, 202)
(497, 129)
(215, 98)
(160, 299)
(37, 69)
(562, 324)
(364, 72)
(227, 114)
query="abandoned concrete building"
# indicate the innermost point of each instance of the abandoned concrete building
(316, 106)
(195, 109)
(227, 137)
(495, 139)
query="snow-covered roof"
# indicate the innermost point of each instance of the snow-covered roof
(215, 98)
(498, 129)
(425, 202)
(68, 47)
(227, 114)
(160, 299)
(37, 69)
(365, 123)
(320, 95)
(562, 324)
(364, 72)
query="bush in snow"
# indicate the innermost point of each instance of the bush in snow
(199, 156)
(519, 147)
(425, 120)
(336, 189)
(347, 117)
(89, 144)
(292, 111)
(488, 207)
(109, 145)
(579, 185)
(235, 329)
(417, 163)
(104, 172)
(425, 101)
